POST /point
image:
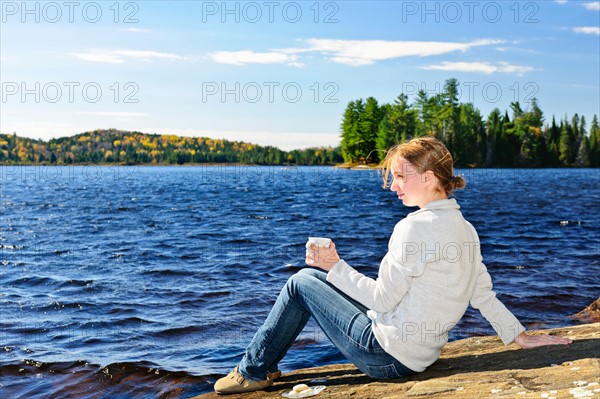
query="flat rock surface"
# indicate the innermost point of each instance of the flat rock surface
(478, 367)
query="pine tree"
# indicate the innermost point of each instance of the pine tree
(595, 143)
(368, 126)
(350, 133)
(493, 129)
(398, 124)
(533, 150)
(564, 148)
(449, 115)
(552, 137)
(583, 154)
(470, 141)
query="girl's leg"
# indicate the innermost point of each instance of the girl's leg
(322, 276)
(343, 320)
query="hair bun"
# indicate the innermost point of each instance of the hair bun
(458, 181)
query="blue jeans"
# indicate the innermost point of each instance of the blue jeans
(342, 319)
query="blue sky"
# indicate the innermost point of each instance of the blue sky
(282, 72)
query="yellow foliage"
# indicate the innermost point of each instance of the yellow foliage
(22, 154)
(122, 154)
(108, 154)
(117, 143)
(149, 144)
(193, 152)
(3, 142)
(169, 138)
(84, 139)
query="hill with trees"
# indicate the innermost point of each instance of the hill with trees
(520, 139)
(368, 129)
(116, 146)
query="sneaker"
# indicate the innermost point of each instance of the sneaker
(234, 382)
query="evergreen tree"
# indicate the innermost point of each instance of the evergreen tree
(594, 143)
(470, 142)
(566, 140)
(533, 147)
(350, 132)
(398, 124)
(583, 154)
(552, 137)
(368, 127)
(449, 114)
(493, 130)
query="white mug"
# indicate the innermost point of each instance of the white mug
(320, 241)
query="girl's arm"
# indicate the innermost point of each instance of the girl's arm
(381, 294)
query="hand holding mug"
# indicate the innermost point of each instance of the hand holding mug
(321, 253)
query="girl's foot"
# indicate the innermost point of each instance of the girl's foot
(274, 375)
(234, 382)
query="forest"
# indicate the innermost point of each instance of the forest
(135, 148)
(521, 138)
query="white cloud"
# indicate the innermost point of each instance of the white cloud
(253, 57)
(366, 52)
(560, 1)
(348, 52)
(587, 30)
(120, 56)
(592, 6)
(100, 57)
(486, 68)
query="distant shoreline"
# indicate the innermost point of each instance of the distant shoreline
(337, 166)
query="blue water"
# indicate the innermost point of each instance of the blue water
(149, 281)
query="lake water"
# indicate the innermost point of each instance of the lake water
(148, 282)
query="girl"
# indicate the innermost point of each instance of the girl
(396, 325)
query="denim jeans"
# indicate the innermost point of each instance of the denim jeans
(342, 319)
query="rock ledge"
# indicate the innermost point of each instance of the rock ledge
(479, 367)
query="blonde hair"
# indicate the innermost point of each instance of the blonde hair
(425, 153)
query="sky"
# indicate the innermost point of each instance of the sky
(281, 73)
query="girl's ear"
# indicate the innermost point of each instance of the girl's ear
(429, 176)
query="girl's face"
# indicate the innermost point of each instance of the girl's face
(413, 188)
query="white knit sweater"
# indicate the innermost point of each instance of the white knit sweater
(432, 271)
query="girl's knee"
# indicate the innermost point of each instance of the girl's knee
(312, 272)
(304, 278)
